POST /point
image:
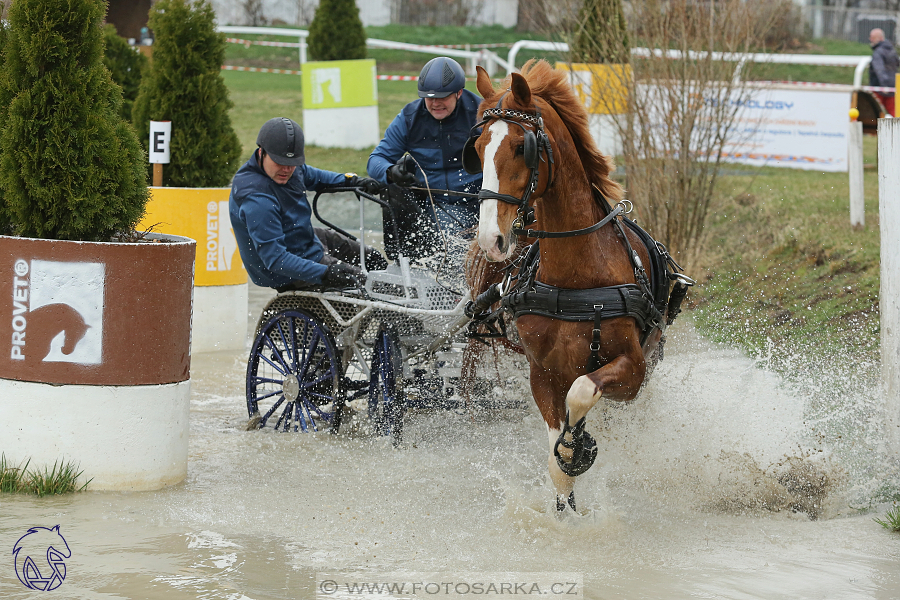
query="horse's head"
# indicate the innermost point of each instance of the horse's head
(515, 153)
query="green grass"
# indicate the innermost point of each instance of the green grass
(390, 61)
(259, 97)
(891, 520)
(783, 268)
(62, 478)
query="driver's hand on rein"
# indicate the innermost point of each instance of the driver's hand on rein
(366, 184)
(343, 275)
(402, 173)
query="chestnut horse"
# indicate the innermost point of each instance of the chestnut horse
(536, 152)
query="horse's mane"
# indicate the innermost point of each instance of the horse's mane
(553, 87)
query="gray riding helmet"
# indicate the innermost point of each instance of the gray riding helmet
(282, 139)
(441, 77)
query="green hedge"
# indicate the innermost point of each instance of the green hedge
(70, 167)
(184, 85)
(336, 32)
(125, 64)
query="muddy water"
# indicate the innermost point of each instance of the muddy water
(703, 489)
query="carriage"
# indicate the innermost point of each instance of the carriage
(395, 344)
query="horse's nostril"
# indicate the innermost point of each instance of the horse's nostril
(500, 243)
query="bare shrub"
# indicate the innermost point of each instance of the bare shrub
(253, 11)
(461, 13)
(682, 101)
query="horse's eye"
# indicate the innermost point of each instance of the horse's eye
(520, 150)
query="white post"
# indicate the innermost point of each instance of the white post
(855, 163)
(889, 296)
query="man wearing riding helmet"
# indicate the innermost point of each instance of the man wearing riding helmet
(433, 131)
(271, 217)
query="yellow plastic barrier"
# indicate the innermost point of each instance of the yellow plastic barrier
(608, 80)
(200, 214)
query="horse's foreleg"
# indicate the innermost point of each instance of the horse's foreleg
(586, 390)
(545, 395)
(575, 450)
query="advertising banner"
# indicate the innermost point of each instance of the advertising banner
(339, 84)
(801, 129)
(200, 214)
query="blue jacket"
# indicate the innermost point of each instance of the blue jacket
(884, 66)
(436, 145)
(272, 224)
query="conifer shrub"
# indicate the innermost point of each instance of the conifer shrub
(336, 32)
(70, 167)
(125, 64)
(600, 35)
(5, 222)
(184, 85)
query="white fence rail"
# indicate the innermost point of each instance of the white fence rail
(483, 56)
(842, 60)
(492, 61)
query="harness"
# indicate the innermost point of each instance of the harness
(521, 294)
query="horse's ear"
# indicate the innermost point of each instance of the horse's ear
(520, 90)
(483, 83)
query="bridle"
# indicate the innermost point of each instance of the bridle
(537, 149)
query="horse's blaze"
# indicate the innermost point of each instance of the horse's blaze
(496, 245)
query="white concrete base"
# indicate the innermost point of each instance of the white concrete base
(606, 134)
(350, 127)
(220, 318)
(124, 438)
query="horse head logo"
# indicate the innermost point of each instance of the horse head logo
(39, 558)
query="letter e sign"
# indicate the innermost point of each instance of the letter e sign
(160, 134)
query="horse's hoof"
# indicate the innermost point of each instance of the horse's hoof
(561, 504)
(253, 423)
(584, 453)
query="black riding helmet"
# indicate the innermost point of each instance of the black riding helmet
(282, 139)
(441, 77)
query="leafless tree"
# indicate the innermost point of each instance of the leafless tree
(437, 12)
(253, 11)
(306, 10)
(679, 114)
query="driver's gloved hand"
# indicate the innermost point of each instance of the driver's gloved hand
(404, 172)
(369, 185)
(366, 184)
(405, 208)
(375, 261)
(342, 275)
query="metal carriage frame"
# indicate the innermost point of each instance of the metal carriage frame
(396, 344)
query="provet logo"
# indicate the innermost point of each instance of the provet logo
(57, 312)
(39, 557)
(220, 240)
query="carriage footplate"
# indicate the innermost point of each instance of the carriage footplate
(583, 446)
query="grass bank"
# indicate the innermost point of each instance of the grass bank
(783, 270)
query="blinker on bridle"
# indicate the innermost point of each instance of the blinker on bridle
(536, 145)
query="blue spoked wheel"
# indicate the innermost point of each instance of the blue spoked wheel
(294, 375)
(387, 404)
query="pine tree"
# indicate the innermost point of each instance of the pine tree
(70, 167)
(601, 35)
(184, 85)
(336, 32)
(5, 221)
(125, 65)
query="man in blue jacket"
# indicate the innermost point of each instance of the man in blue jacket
(430, 132)
(271, 217)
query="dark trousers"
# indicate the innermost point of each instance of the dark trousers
(338, 248)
